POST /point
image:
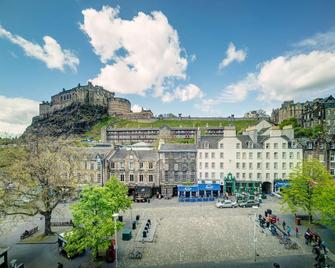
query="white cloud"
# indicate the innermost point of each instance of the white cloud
(139, 54)
(50, 53)
(188, 92)
(295, 76)
(287, 77)
(320, 41)
(183, 93)
(16, 114)
(168, 97)
(136, 108)
(232, 55)
(237, 92)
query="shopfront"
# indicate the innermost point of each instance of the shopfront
(198, 192)
(233, 186)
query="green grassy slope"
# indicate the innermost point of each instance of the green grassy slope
(116, 122)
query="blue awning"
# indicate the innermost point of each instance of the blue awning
(280, 184)
(209, 187)
(191, 188)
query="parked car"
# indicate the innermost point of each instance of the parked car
(226, 204)
(249, 204)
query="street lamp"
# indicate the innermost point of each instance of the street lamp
(255, 239)
(115, 215)
(100, 162)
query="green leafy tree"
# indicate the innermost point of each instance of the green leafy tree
(35, 177)
(289, 121)
(306, 182)
(93, 217)
(325, 203)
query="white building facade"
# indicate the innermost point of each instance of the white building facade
(257, 158)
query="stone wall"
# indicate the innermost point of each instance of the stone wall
(119, 106)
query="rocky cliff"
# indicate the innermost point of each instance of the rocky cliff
(71, 121)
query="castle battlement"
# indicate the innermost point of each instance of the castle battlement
(91, 95)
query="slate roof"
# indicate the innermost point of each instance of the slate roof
(212, 142)
(173, 147)
(144, 155)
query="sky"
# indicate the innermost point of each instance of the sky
(198, 58)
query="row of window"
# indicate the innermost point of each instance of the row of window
(250, 155)
(131, 165)
(243, 165)
(140, 178)
(242, 175)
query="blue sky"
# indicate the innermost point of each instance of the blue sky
(191, 57)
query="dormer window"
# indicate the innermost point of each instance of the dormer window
(206, 145)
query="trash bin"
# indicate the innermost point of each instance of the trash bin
(298, 221)
(134, 225)
(137, 217)
(126, 234)
(120, 218)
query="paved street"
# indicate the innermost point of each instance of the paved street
(199, 232)
(187, 235)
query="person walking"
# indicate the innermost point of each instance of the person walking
(284, 225)
(296, 231)
(324, 246)
(288, 230)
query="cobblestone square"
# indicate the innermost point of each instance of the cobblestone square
(200, 232)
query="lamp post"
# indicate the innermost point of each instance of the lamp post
(255, 239)
(115, 215)
(100, 162)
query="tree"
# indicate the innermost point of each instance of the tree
(306, 182)
(325, 203)
(93, 217)
(35, 177)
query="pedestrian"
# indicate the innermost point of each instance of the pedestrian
(296, 231)
(324, 246)
(284, 225)
(307, 237)
(288, 230)
(317, 252)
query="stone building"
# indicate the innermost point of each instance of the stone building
(322, 148)
(95, 96)
(320, 111)
(92, 169)
(138, 169)
(150, 135)
(177, 165)
(255, 159)
(288, 109)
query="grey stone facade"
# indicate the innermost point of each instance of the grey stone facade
(322, 149)
(320, 111)
(177, 165)
(135, 168)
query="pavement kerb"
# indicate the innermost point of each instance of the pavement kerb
(32, 243)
